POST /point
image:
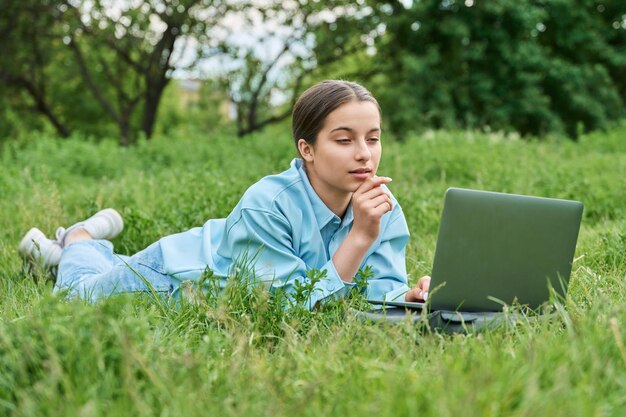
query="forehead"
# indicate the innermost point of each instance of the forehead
(361, 115)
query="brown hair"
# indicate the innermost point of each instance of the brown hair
(316, 103)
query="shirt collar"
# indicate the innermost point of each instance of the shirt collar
(323, 214)
(349, 216)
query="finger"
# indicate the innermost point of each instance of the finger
(377, 201)
(378, 212)
(373, 192)
(370, 200)
(387, 204)
(374, 209)
(424, 283)
(372, 182)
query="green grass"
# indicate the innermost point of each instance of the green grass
(241, 354)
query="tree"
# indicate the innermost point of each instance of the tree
(122, 55)
(126, 56)
(586, 73)
(270, 56)
(28, 47)
(288, 44)
(530, 66)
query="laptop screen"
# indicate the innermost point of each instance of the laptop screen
(496, 248)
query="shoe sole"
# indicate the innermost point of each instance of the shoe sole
(114, 219)
(31, 252)
(27, 242)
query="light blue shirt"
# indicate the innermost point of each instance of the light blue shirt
(282, 221)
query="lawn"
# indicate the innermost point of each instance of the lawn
(239, 354)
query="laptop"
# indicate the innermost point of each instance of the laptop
(495, 249)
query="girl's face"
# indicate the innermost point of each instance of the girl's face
(346, 152)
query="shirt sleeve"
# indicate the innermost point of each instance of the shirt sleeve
(388, 262)
(265, 239)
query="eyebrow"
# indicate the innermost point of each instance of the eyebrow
(349, 129)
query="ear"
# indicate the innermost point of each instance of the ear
(306, 150)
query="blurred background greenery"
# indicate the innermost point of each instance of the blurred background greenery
(459, 81)
(136, 68)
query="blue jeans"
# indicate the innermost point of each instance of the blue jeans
(90, 270)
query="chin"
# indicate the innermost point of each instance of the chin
(354, 186)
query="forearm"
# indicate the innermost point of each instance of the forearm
(370, 202)
(350, 255)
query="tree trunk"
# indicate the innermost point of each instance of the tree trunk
(151, 106)
(43, 107)
(156, 76)
(124, 132)
(60, 128)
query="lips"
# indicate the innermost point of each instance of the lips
(361, 174)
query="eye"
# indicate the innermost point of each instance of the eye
(373, 140)
(343, 140)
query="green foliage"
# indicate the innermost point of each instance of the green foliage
(94, 69)
(238, 351)
(25, 76)
(203, 111)
(304, 289)
(530, 66)
(527, 66)
(361, 279)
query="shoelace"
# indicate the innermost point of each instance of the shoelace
(62, 232)
(60, 235)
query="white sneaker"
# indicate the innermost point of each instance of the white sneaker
(35, 246)
(105, 224)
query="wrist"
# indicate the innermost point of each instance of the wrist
(360, 239)
(350, 255)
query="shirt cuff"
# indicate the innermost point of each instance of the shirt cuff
(330, 287)
(397, 294)
(336, 283)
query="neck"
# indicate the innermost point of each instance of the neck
(336, 205)
(336, 201)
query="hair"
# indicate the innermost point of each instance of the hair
(316, 103)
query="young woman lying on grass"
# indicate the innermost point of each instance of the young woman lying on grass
(329, 211)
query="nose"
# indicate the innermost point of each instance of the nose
(362, 152)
